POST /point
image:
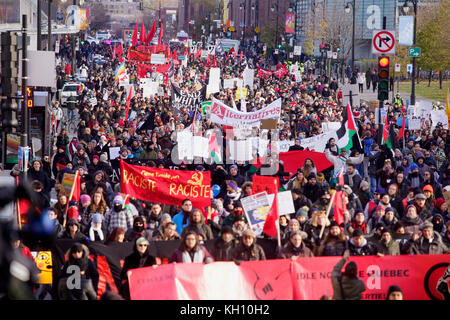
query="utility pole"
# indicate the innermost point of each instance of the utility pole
(74, 64)
(49, 25)
(39, 25)
(25, 112)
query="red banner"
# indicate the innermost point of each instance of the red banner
(166, 185)
(292, 160)
(134, 54)
(142, 69)
(280, 72)
(265, 183)
(153, 49)
(302, 279)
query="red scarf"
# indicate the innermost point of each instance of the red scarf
(362, 226)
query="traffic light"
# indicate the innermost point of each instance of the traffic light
(30, 97)
(383, 78)
(9, 77)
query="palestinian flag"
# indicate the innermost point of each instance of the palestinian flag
(348, 134)
(214, 149)
(388, 135)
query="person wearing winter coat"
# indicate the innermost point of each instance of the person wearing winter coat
(73, 231)
(97, 231)
(248, 249)
(342, 159)
(295, 248)
(346, 285)
(166, 232)
(359, 246)
(197, 224)
(411, 221)
(224, 245)
(78, 256)
(139, 258)
(386, 245)
(334, 244)
(36, 172)
(429, 242)
(191, 251)
(181, 219)
(138, 230)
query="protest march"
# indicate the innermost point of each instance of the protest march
(196, 169)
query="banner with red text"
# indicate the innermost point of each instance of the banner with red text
(302, 279)
(280, 72)
(166, 186)
(142, 69)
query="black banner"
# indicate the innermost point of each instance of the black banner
(181, 99)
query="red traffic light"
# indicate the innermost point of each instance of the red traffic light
(383, 62)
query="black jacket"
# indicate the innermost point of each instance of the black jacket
(223, 251)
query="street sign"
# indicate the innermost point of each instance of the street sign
(334, 55)
(291, 55)
(383, 42)
(409, 67)
(414, 52)
(397, 67)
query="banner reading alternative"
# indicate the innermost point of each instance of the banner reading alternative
(222, 114)
(166, 185)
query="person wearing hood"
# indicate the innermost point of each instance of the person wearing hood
(346, 285)
(233, 194)
(312, 190)
(431, 184)
(181, 219)
(364, 193)
(97, 231)
(295, 247)
(414, 179)
(138, 230)
(248, 249)
(427, 242)
(386, 245)
(73, 146)
(438, 224)
(405, 166)
(224, 245)
(139, 258)
(235, 176)
(118, 216)
(359, 246)
(422, 165)
(73, 231)
(77, 256)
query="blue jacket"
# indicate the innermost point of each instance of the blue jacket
(178, 220)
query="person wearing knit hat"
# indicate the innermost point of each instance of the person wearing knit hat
(84, 199)
(140, 258)
(248, 249)
(224, 246)
(96, 230)
(394, 293)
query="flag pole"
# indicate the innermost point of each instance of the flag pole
(70, 197)
(18, 215)
(328, 212)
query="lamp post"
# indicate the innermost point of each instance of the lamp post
(242, 7)
(49, 25)
(413, 78)
(272, 8)
(347, 10)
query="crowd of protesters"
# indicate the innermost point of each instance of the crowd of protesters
(394, 205)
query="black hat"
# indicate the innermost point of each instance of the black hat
(333, 224)
(357, 233)
(238, 218)
(227, 229)
(393, 288)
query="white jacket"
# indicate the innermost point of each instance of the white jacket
(340, 161)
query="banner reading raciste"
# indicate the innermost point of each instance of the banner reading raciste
(166, 185)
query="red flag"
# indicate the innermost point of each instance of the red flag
(128, 103)
(271, 224)
(338, 201)
(264, 183)
(151, 33)
(175, 55)
(142, 37)
(230, 51)
(134, 38)
(401, 132)
(240, 57)
(161, 32)
(385, 130)
(198, 54)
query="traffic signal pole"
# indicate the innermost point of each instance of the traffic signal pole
(25, 112)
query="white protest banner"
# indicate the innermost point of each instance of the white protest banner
(263, 145)
(423, 110)
(157, 58)
(297, 50)
(214, 80)
(283, 146)
(439, 117)
(414, 123)
(248, 77)
(329, 126)
(298, 76)
(241, 150)
(151, 89)
(200, 147)
(284, 198)
(184, 143)
(318, 143)
(114, 153)
(93, 101)
(124, 80)
(222, 114)
(228, 83)
(294, 68)
(256, 208)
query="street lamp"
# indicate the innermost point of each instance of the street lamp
(272, 8)
(413, 78)
(242, 7)
(347, 10)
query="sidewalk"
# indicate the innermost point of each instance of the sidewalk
(368, 95)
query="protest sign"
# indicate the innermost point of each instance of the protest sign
(256, 208)
(439, 117)
(190, 101)
(286, 203)
(114, 153)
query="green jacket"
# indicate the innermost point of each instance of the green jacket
(352, 287)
